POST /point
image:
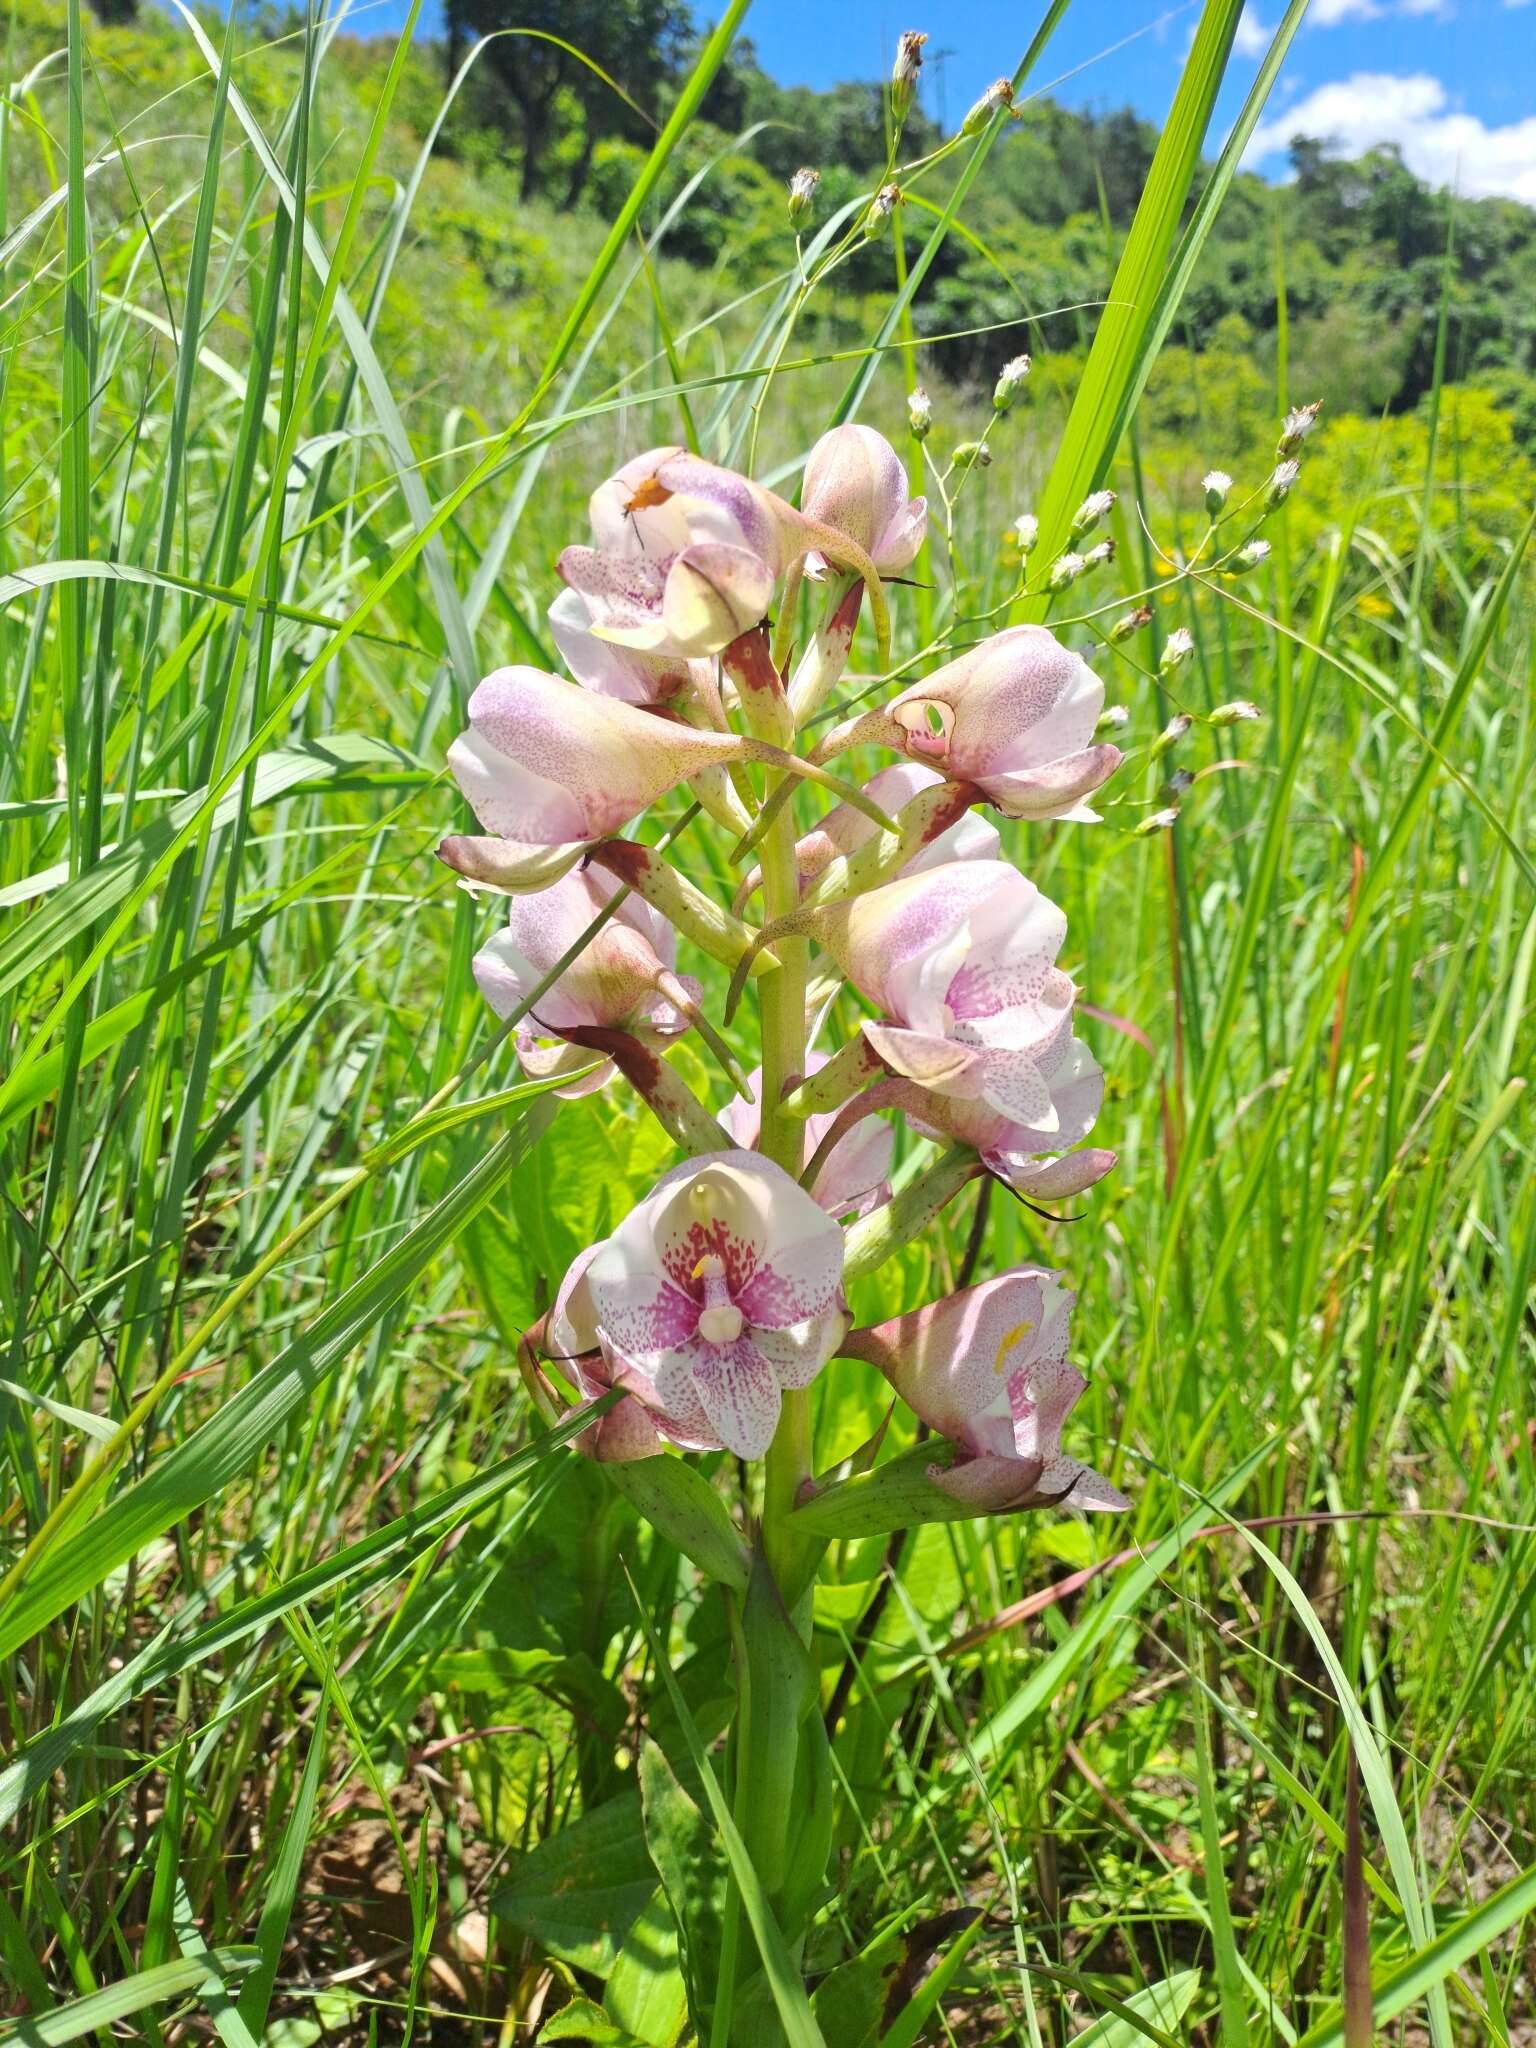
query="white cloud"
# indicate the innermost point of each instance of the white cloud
(1253, 36)
(1439, 144)
(1329, 13)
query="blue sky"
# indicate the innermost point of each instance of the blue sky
(1452, 82)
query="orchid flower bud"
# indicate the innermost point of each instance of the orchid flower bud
(686, 555)
(1093, 508)
(961, 960)
(856, 482)
(1015, 716)
(855, 1176)
(612, 982)
(802, 192)
(718, 1291)
(998, 94)
(987, 1368)
(548, 768)
(919, 412)
(1299, 422)
(904, 72)
(1010, 382)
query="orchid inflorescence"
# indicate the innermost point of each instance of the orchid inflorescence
(701, 1320)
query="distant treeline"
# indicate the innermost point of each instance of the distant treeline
(1366, 259)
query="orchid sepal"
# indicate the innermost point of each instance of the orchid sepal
(836, 1082)
(920, 821)
(902, 1493)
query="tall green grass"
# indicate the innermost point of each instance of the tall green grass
(314, 1645)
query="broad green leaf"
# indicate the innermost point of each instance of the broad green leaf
(581, 1890)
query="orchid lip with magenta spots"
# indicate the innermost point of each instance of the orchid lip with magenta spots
(718, 1292)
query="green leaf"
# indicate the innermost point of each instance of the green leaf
(581, 2020)
(581, 1890)
(1161, 2006)
(688, 1858)
(134, 1994)
(645, 1992)
(679, 1502)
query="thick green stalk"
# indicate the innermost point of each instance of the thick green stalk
(783, 1041)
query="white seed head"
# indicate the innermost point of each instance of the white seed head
(1128, 624)
(1172, 732)
(1026, 531)
(1112, 717)
(1215, 484)
(1158, 821)
(1280, 483)
(802, 191)
(998, 94)
(1238, 712)
(1299, 422)
(882, 206)
(1065, 570)
(1098, 555)
(1255, 552)
(1009, 379)
(1177, 649)
(919, 412)
(909, 62)
(1091, 511)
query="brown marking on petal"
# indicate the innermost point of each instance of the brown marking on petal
(751, 664)
(949, 809)
(621, 857)
(648, 495)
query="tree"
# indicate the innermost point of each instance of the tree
(636, 42)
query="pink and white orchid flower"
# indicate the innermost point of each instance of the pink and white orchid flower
(843, 830)
(718, 1291)
(634, 1427)
(548, 767)
(854, 481)
(988, 1369)
(856, 1173)
(1035, 1162)
(622, 672)
(961, 959)
(1015, 716)
(685, 555)
(615, 982)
